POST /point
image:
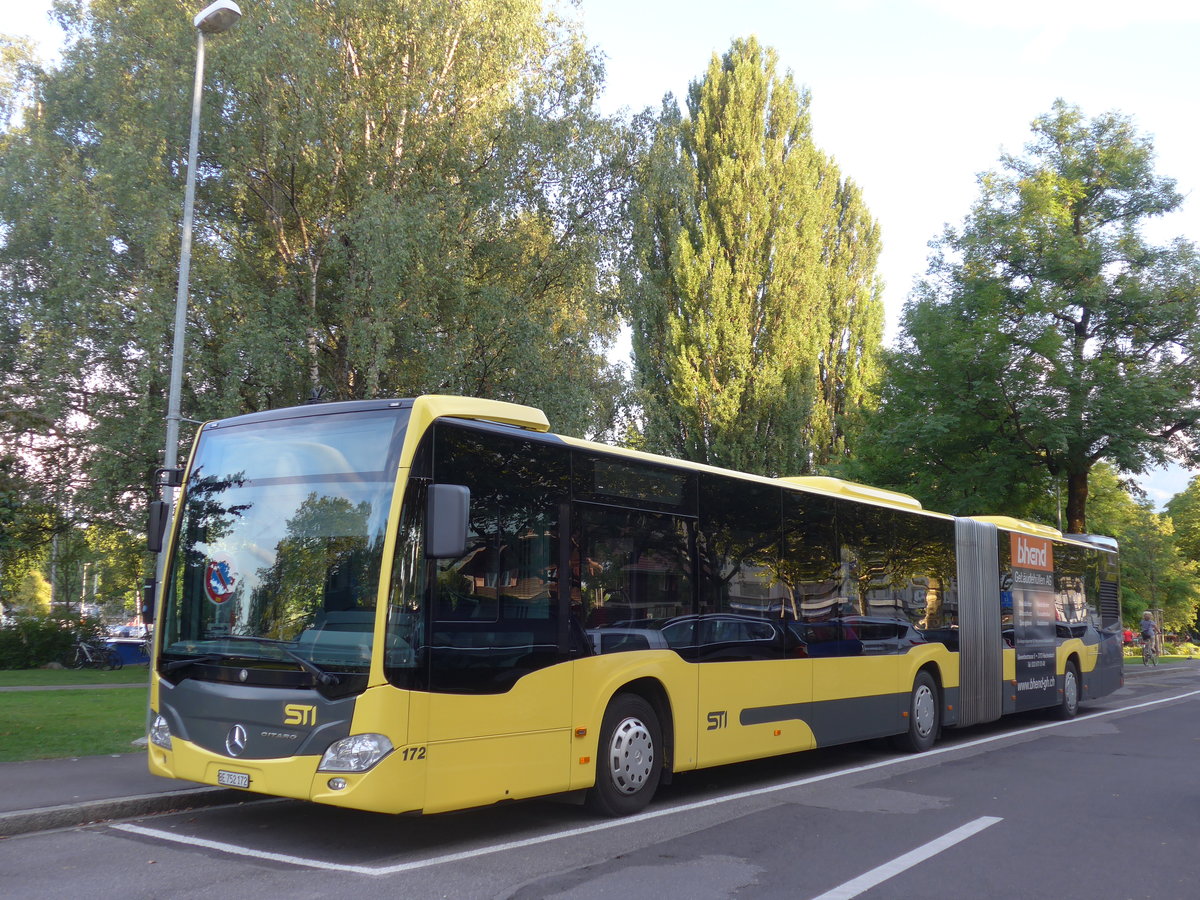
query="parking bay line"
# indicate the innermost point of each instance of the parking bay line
(903, 863)
(461, 856)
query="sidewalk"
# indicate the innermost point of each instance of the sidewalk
(60, 793)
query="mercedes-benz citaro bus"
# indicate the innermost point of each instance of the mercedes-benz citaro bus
(432, 604)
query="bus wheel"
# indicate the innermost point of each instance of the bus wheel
(629, 758)
(924, 716)
(1069, 705)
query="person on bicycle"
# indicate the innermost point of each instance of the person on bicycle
(1149, 629)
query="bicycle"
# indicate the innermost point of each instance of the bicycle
(87, 656)
(1149, 657)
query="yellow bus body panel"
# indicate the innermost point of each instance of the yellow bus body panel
(1088, 656)
(729, 688)
(484, 748)
(290, 776)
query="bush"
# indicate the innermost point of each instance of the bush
(32, 641)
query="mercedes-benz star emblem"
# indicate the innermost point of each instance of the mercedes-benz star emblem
(235, 741)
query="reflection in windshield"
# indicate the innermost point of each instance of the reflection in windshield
(291, 554)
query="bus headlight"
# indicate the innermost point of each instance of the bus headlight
(357, 753)
(160, 734)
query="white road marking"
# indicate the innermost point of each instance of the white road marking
(628, 820)
(245, 851)
(891, 869)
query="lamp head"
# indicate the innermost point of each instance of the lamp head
(217, 17)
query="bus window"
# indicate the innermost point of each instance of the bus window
(738, 548)
(636, 567)
(491, 615)
(811, 568)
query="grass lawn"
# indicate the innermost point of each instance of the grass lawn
(1162, 660)
(21, 677)
(53, 724)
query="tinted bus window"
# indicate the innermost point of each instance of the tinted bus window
(617, 481)
(634, 568)
(479, 622)
(739, 549)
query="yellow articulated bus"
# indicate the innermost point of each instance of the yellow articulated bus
(432, 604)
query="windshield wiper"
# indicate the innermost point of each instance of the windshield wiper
(193, 661)
(307, 665)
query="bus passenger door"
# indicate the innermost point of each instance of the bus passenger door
(499, 686)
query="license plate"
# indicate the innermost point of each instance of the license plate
(233, 779)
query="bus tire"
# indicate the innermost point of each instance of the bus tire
(924, 716)
(1068, 707)
(628, 759)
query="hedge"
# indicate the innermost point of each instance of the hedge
(30, 642)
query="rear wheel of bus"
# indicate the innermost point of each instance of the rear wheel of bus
(628, 759)
(1068, 706)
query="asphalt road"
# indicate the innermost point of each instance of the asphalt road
(1102, 807)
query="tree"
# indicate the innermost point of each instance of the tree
(1154, 573)
(392, 199)
(17, 68)
(754, 301)
(1050, 336)
(1184, 510)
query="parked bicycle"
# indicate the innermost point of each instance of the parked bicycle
(89, 656)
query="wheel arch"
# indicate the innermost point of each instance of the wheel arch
(654, 692)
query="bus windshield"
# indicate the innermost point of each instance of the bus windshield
(279, 541)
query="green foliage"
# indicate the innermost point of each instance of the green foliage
(17, 69)
(32, 641)
(32, 595)
(754, 300)
(1154, 574)
(24, 523)
(1184, 510)
(1050, 335)
(392, 199)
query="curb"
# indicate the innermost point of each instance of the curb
(91, 812)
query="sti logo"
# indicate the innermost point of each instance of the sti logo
(1032, 553)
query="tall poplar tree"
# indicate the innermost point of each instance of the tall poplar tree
(1050, 336)
(754, 302)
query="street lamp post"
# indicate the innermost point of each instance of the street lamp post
(213, 19)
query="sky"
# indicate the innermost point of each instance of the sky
(913, 98)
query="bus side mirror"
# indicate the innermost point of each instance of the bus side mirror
(446, 514)
(157, 525)
(148, 587)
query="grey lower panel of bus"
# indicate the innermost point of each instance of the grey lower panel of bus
(851, 719)
(206, 713)
(981, 659)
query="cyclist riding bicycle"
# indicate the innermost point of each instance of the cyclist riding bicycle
(1149, 631)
